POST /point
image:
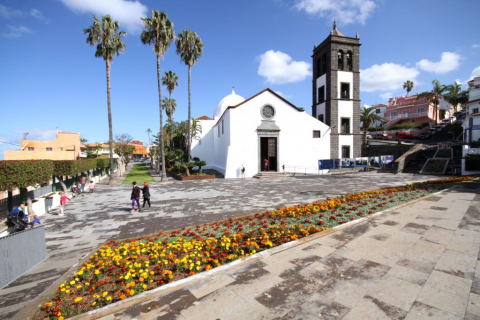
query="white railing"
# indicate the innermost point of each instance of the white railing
(409, 115)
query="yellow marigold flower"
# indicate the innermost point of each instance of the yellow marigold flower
(78, 299)
(79, 286)
(48, 304)
(72, 282)
(94, 303)
(144, 286)
(109, 298)
(105, 294)
(96, 296)
(67, 291)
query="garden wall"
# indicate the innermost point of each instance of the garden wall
(20, 252)
(396, 150)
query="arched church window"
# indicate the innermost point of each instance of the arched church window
(218, 131)
(340, 60)
(349, 61)
(223, 129)
(324, 64)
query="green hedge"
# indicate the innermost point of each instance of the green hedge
(73, 167)
(24, 173)
(472, 162)
(103, 163)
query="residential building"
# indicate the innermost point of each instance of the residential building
(380, 110)
(66, 146)
(410, 109)
(471, 125)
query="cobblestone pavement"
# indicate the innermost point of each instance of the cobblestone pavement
(104, 215)
(419, 262)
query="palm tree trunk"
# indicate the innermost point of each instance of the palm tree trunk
(189, 138)
(365, 130)
(162, 145)
(110, 130)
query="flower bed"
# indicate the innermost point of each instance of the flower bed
(435, 166)
(126, 268)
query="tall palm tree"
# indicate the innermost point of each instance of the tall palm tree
(109, 43)
(159, 32)
(455, 95)
(408, 85)
(369, 116)
(433, 97)
(169, 105)
(170, 80)
(190, 49)
(148, 132)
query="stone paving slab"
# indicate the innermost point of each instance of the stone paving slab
(104, 215)
(316, 279)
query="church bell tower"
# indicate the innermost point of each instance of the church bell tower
(336, 92)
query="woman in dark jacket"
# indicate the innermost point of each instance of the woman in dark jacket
(146, 194)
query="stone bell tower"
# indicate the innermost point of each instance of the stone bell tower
(336, 91)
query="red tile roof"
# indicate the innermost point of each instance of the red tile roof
(204, 118)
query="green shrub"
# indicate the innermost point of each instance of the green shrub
(377, 128)
(409, 125)
(423, 125)
(472, 162)
(24, 173)
(103, 162)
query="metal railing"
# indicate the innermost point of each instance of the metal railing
(300, 170)
(408, 115)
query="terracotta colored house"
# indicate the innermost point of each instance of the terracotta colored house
(410, 110)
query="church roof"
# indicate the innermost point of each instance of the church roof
(335, 31)
(204, 118)
(230, 100)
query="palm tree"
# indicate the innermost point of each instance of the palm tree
(190, 49)
(408, 85)
(148, 132)
(159, 32)
(109, 43)
(369, 116)
(455, 95)
(169, 105)
(170, 80)
(433, 96)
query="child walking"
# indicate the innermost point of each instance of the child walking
(63, 201)
(91, 185)
(146, 194)
(135, 196)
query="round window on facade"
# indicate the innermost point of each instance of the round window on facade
(268, 112)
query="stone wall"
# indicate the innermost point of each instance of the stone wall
(396, 150)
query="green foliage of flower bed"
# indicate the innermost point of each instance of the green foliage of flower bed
(24, 173)
(435, 166)
(444, 153)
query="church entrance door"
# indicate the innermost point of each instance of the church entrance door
(268, 150)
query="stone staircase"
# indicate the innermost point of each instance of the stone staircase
(272, 175)
(415, 165)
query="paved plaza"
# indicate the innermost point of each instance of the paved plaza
(104, 215)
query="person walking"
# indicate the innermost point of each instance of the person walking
(265, 166)
(283, 167)
(91, 186)
(83, 181)
(135, 197)
(243, 172)
(63, 201)
(146, 194)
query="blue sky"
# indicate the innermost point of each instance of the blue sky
(50, 77)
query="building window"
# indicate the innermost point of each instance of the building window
(378, 111)
(420, 110)
(393, 114)
(324, 64)
(320, 117)
(475, 110)
(345, 125)
(223, 129)
(345, 151)
(340, 60)
(406, 112)
(31, 149)
(316, 133)
(345, 90)
(218, 131)
(200, 142)
(349, 61)
(321, 94)
(49, 149)
(61, 149)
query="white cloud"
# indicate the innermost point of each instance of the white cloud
(344, 11)
(386, 77)
(476, 46)
(128, 13)
(16, 31)
(7, 13)
(386, 95)
(39, 15)
(279, 68)
(450, 61)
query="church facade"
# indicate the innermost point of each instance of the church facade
(266, 132)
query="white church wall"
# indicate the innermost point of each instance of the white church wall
(296, 145)
(204, 147)
(321, 81)
(222, 143)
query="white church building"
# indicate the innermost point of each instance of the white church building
(247, 132)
